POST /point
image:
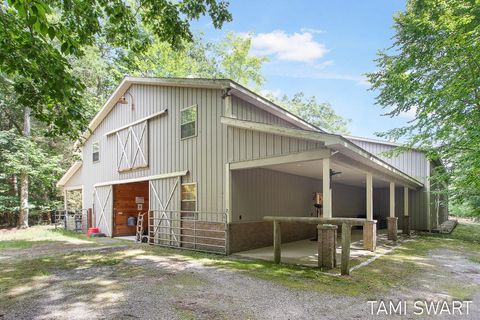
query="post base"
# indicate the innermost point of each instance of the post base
(392, 223)
(406, 225)
(327, 246)
(370, 235)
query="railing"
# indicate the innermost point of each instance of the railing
(194, 230)
(345, 223)
(75, 220)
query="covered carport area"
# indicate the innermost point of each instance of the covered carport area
(351, 180)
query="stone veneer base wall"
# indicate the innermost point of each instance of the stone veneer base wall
(252, 235)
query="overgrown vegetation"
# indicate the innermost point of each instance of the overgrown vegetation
(432, 69)
(59, 62)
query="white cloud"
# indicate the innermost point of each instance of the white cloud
(292, 47)
(312, 30)
(410, 114)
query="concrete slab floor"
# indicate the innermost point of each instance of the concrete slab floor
(304, 252)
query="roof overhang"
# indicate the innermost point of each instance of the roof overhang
(270, 107)
(236, 89)
(70, 172)
(352, 154)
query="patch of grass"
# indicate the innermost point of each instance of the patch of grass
(43, 234)
(475, 259)
(15, 244)
(21, 272)
(183, 313)
(459, 291)
(397, 269)
(465, 231)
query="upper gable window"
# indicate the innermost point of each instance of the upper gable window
(96, 151)
(188, 122)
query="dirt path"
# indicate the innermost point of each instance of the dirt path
(163, 287)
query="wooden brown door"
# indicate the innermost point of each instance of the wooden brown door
(129, 200)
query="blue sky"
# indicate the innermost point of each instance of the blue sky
(322, 48)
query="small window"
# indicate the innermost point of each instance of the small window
(189, 197)
(188, 122)
(96, 151)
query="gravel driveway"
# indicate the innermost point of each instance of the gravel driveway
(149, 286)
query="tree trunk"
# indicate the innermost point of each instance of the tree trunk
(24, 210)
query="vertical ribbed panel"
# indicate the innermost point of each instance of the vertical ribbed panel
(201, 155)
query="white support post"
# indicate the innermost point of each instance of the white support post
(327, 192)
(392, 200)
(369, 192)
(405, 201)
(228, 192)
(392, 220)
(65, 199)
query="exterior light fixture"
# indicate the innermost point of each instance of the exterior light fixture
(123, 99)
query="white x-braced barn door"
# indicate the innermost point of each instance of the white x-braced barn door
(165, 207)
(132, 147)
(103, 209)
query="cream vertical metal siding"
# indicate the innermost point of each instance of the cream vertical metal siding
(261, 192)
(200, 155)
(76, 180)
(413, 162)
(246, 111)
(348, 201)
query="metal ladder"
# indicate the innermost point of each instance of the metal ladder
(140, 235)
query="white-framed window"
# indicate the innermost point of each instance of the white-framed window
(188, 122)
(96, 151)
(189, 197)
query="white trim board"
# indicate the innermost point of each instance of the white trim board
(70, 172)
(332, 141)
(220, 84)
(289, 158)
(147, 178)
(137, 122)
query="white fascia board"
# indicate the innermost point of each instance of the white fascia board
(332, 141)
(70, 172)
(128, 81)
(375, 162)
(146, 178)
(282, 131)
(271, 107)
(137, 122)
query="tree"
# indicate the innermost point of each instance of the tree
(433, 69)
(230, 58)
(37, 37)
(319, 114)
(237, 63)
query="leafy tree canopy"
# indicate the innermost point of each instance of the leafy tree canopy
(37, 35)
(230, 58)
(433, 68)
(320, 114)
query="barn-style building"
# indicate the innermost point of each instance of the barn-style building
(206, 160)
